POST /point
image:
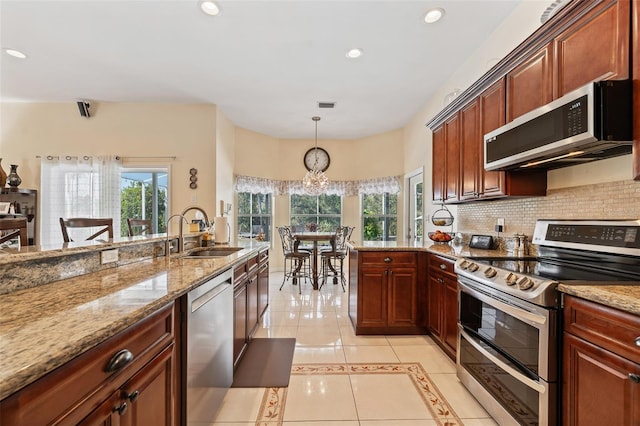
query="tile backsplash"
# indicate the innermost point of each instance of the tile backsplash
(610, 200)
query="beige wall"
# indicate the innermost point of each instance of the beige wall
(187, 132)
(225, 155)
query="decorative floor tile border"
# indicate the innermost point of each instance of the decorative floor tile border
(274, 399)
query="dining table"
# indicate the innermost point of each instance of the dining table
(315, 237)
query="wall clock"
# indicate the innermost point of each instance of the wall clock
(323, 159)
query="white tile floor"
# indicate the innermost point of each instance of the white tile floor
(325, 338)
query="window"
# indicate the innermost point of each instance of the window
(316, 212)
(144, 195)
(379, 217)
(254, 216)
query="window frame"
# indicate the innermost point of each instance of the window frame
(385, 216)
(317, 214)
(253, 215)
(156, 224)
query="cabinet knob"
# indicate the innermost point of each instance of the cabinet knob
(133, 396)
(443, 266)
(119, 360)
(387, 259)
(635, 378)
(637, 341)
(121, 409)
(440, 280)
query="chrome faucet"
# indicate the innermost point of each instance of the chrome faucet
(184, 212)
(167, 247)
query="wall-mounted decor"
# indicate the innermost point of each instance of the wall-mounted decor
(193, 178)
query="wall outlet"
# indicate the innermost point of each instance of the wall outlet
(108, 256)
(500, 221)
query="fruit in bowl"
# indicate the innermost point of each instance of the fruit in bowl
(440, 237)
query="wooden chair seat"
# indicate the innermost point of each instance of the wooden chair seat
(106, 224)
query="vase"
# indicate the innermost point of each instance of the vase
(3, 176)
(13, 179)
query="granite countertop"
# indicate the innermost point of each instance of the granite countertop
(448, 250)
(44, 327)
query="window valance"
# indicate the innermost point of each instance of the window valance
(259, 185)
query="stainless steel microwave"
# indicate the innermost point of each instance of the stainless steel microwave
(590, 123)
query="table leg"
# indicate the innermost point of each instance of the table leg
(315, 264)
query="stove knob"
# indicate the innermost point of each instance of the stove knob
(463, 265)
(525, 283)
(473, 267)
(490, 272)
(511, 278)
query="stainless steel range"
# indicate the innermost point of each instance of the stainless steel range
(510, 311)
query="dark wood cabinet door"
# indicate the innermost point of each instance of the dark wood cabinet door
(635, 47)
(373, 302)
(239, 322)
(450, 315)
(492, 116)
(530, 84)
(596, 386)
(438, 164)
(150, 393)
(470, 141)
(106, 414)
(252, 305)
(263, 288)
(402, 284)
(435, 290)
(594, 48)
(452, 159)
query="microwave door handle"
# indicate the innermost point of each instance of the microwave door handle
(512, 371)
(530, 318)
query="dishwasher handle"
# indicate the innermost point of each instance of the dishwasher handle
(202, 300)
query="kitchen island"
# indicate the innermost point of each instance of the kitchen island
(46, 326)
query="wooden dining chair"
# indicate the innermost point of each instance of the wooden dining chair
(139, 226)
(76, 222)
(11, 228)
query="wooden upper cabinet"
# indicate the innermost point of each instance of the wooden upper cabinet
(452, 162)
(530, 84)
(492, 116)
(437, 164)
(470, 139)
(596, 47)
(635, 46)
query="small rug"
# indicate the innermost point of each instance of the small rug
(266, 364)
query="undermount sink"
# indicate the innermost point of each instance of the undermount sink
(214, 252)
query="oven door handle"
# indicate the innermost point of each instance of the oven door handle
(533, 319)
(512, 371)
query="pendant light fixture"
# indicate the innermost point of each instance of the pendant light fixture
(315, 182)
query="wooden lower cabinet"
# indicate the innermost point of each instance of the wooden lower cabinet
(82, 391)
(601, 366)
(384, 298)
(442, 303)
(251, 297)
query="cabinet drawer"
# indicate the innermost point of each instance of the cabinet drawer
(239, 273)
(606, 327)
(263, 256)
(441, 264)
(391, 258)
(252, 264)
(84, 380)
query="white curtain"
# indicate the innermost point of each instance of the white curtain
(78, 186)
(390, 184)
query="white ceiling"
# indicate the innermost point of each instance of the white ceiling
(265, 63)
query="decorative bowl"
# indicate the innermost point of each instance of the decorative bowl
(440, 237)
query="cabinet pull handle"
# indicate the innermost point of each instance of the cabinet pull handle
(387, 259)
(635, 378)
(119, 360)
(133, 396)
(440, 280)
(637, 341)
(443, 266)
(386, 272)
(121, 409)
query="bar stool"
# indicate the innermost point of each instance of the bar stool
(107, 225)
(14, 227)
(333, 259)
(139, 226)
(296, 263)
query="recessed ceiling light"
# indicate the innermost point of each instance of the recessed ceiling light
(15, 53)
(209, 7)
(434, 15)
(354, 53)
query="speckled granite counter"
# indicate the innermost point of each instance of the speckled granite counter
(448, 250)
(42, 328)
(624, 297)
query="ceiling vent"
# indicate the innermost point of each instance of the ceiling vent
(326, 104)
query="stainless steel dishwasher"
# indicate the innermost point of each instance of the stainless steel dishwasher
(208, 370)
